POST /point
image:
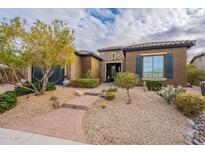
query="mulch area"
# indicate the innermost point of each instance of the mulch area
(148, 120)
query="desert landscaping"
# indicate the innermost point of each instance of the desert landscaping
(148, 120)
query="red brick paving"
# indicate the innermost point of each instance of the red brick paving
(62, 123)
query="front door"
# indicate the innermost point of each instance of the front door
(111, 70)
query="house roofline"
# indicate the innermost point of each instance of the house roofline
(195, 57)
(89, 53)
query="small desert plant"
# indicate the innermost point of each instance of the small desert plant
(153, 85)
(103, 105)
(112, 89)
(190, 104)
(170, 93)
(127, 81)
(55, 102)
(110, 95)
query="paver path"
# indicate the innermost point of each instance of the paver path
(62, 123)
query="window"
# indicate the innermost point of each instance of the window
(153, 66)
(113, 55)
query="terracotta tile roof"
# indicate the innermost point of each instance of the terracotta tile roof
(151, 45)
(87, 53)
(112, 48)
(161, 44)
(198, 56)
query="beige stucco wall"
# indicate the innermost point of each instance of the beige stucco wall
(86, 64)
(107, 58)
(95, 67)
(200, 62)
(179, 63)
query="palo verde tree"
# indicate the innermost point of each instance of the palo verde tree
(127, 81)
(49, 46)
(12, 52)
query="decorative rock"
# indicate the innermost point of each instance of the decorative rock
(188, 136)
(196, 142)
(190, 123)
(196, 127)
(79, 92)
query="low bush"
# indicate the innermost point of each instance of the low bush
(85, 83)
(24, 91)
(7, 101)
(195, 75)
(153, 85)
(190, 104)
(169, 93)
(112, 90)
(110, 95)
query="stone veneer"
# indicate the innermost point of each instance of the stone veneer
(107, 58)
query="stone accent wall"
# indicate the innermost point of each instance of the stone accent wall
(107, 58)
(179, 63)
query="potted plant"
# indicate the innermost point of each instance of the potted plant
(66, 81)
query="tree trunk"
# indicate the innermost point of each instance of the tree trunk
(129, 98)
(44, 86)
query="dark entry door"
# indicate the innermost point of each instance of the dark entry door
(111, 70)
(57, 76)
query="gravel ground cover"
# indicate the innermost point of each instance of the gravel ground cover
(30, 106)
(148, 120)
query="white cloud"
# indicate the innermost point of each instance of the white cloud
(131, 25)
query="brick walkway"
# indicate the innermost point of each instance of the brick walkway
(65, 123)
(62, 123)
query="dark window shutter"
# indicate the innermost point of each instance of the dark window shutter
(139, 66)
(169, 66)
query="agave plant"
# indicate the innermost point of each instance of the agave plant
(169, 93)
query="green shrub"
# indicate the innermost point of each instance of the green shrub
(153, 85)
(169, 93)
(112, 90)
(195, 75)
(190, 104)
(110, 95)
(24, 91)
(7, 101)
(127, 80)
(85, 83)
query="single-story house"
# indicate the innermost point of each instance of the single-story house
(199, 61)
(162, 61)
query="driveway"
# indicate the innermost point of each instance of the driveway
(12, 137)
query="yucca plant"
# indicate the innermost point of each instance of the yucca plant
(169, 93)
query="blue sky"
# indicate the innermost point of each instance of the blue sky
(97, 28)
